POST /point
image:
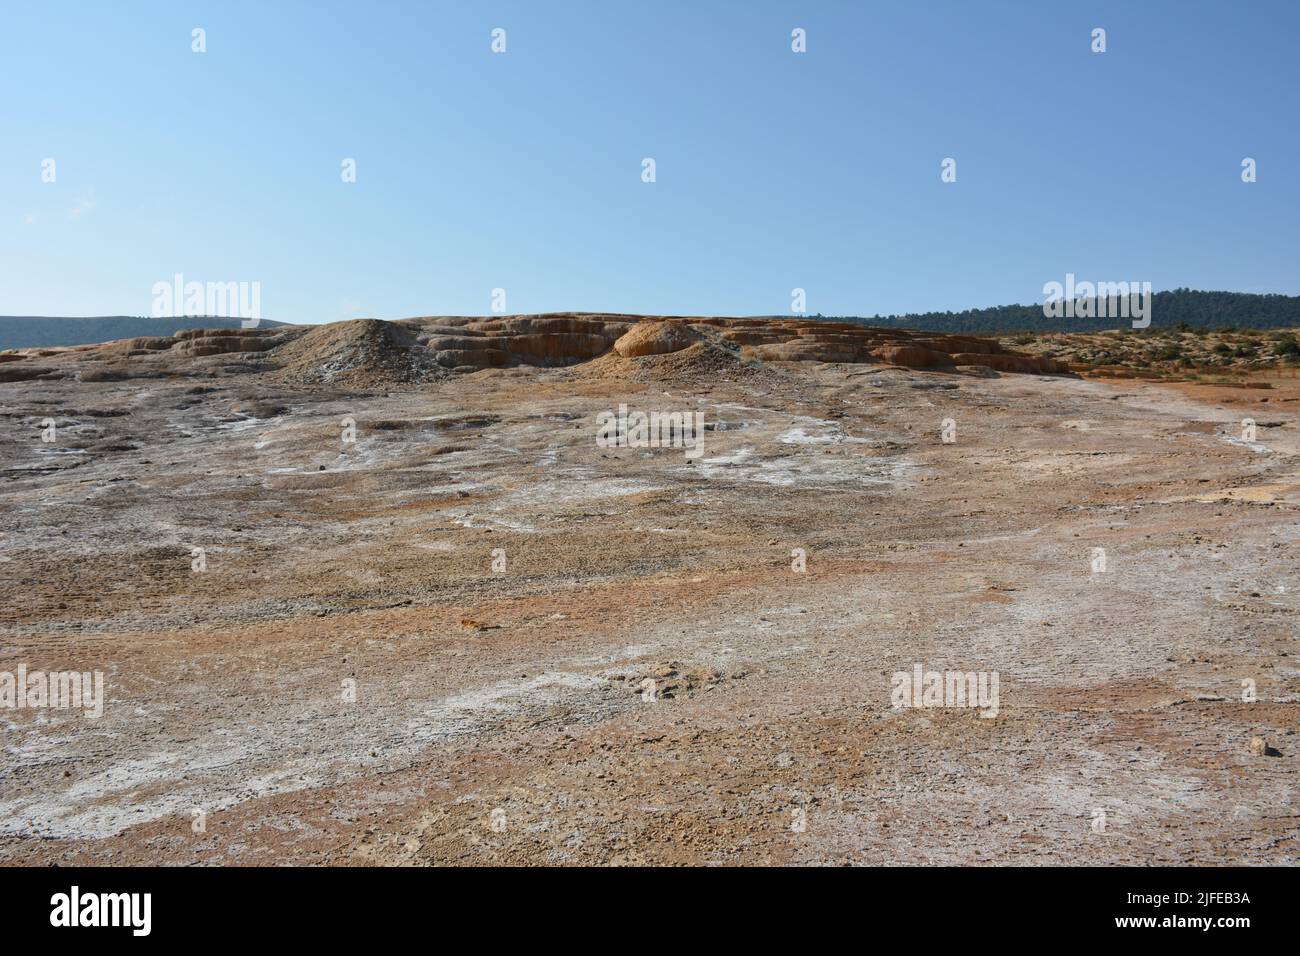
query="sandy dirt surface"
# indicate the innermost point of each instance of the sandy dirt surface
(355, 678)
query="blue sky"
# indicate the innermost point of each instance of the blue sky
(522, 170)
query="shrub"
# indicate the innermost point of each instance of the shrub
(1286, 346)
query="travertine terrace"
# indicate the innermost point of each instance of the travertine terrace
(473, 635)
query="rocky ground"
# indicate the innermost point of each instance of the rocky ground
(1163, 353)
(472, 635)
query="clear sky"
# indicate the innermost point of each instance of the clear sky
(523, 170)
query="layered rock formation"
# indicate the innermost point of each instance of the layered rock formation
(567, 339)
(368, 352)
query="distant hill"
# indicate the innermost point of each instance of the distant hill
(1204, 310)
(38, 331)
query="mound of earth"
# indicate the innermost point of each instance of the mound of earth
(656, 338)
(703, 358)
(362, 353)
